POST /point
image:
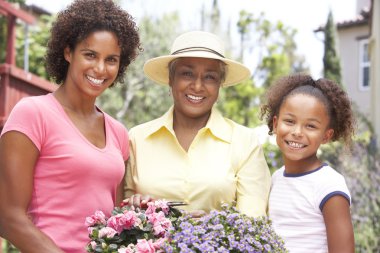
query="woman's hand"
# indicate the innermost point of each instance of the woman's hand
(137, 201)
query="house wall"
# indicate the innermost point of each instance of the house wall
(15, 84)
(375, 65)
(348, 46)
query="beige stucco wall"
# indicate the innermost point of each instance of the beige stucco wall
(348, 40)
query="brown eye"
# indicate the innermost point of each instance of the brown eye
(113, 60)
(89, 55)
(185, 74)
(212, 77)
(289, 121)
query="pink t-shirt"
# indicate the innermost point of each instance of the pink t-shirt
(72, 178)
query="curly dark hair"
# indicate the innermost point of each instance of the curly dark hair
(335, 99)
(78, 21)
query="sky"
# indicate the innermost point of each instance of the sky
(303, 15)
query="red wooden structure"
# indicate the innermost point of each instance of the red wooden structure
(16, 83)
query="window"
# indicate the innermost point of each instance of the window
(364, 65)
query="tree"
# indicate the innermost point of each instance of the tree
(362, 167)
(331, 61)
(38, 37)
(215, 17)
(274, 50)
(140, 99)
(273, 46)
(361, 170)
(4, 32)
(3, 36)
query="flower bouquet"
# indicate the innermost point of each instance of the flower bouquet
(224, 231)
(131, 230)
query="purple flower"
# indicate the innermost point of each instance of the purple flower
(224, 231)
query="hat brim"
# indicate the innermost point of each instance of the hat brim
(157, 68)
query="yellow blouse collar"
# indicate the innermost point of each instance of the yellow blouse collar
(217, 125)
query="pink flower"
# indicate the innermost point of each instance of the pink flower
(163, 204)
(151, 208)
(122, 221)
(93, 244)
(114, 222)
(90, 230)
(125, 250)
(158, 243)
(107, 232)
(160, 223)
(144, 246)
(97, 218)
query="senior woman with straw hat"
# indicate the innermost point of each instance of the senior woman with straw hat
(192, 153)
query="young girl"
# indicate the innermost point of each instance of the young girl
(309, 202)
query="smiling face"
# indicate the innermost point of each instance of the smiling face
(93, 64)
(195, 86)
(301, 126)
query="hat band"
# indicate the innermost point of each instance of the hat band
(192, 49)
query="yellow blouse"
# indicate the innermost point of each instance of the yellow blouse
(224, 163)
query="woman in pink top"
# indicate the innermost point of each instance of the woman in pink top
(61, 157)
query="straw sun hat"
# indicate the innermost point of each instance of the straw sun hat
(196, 44)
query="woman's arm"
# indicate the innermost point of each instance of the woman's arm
(253, 179)
(130, 196)
(18, 156)
(130, 170)
(340, 235)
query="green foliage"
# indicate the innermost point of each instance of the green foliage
(139, 99)
(240, 103)
(3, 36)
(38, 37)
(331, 61)
(273, 45)
(8, 247)
(361, 170)
(272, 156)
(281, 58)
(276, 65)
(276, 52)
(4, 31)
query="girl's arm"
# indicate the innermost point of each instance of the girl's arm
(339, 229)
(18, 156)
